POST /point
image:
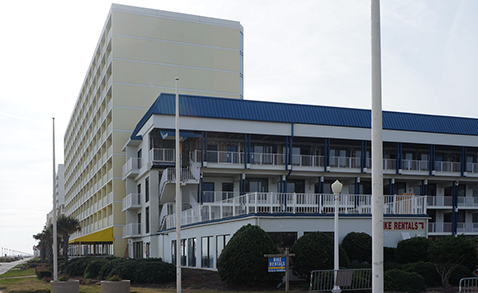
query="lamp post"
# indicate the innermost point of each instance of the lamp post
(336, 189)
(178, 195)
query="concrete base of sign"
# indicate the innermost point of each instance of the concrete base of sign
(115, 286)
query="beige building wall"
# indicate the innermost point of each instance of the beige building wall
(138, 56)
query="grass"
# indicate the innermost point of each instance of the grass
(18, 273)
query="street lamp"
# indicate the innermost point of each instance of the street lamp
(336, 189)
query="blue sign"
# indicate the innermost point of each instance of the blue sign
(276, 264)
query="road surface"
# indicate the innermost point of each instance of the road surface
(6, 266)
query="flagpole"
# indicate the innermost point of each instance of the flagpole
(178, 197)
(55, 240)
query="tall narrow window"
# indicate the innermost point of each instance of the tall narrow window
(173, 252)
(184, 252)
(140, 155)
(146, 189)
(147, 220)
(207, 253)
(192, 252)
(139, 194)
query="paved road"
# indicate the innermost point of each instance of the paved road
(6, 266)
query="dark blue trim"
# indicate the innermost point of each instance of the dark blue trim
(226, 108)
(326, 153)
(432, 159)
(399, 158)
(454, 213)
(463, 160)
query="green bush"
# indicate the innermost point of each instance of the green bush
(154, 271)
(389, 254)
(315, 251)
(390, 265)
(358, 246)
(413, 250)
(425, 269)
(42, 272)
(92, 270)
(460, 272)
(108, 267)
(76, 266)
(242, 261)
(398, 280)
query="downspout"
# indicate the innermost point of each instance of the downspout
(326, 154)
(454, 212)
(363, 156)
(246, 151)
(399, 158)
(202, 149)
(432, 160)
(463, 161)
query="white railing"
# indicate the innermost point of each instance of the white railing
(132, 200)
(225, 157)
(415, 165)
(295, 203)
(132, 229)
(439, 201)
(472, 168)
(447, 166)
(267, 159)
(308, 161)
(162, 155)
(439, 227)
(467, 201)
(344, 162)
(131, 165)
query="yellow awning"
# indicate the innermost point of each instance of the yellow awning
(105, 235)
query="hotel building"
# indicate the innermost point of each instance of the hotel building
(138, 55)
(271, 164)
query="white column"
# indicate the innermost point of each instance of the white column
(377, 172)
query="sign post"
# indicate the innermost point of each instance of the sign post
(280, 263)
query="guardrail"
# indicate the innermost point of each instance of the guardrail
(349, 280)
(468, 285)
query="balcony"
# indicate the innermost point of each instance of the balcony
(131, 168)
(472, 168)
(415, 165)
(225, 157)
(447, 167)
(344, 162)
(295, 203)
(131, 201)
(160, 156)
(132, 230)
(439, 201)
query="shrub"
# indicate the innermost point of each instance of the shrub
(108, 267)
(154, 271)
(358, 246)
(92, 270)
(413, 250)
(390, 265)
(397, 280)
(460, 272)
(76, 266)
(242, 261)
(43, 272)
(425, 269)
(315, 251)
(389, 254)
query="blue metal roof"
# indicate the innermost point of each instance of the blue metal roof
(224, 108)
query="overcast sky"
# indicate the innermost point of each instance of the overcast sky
(308, 52)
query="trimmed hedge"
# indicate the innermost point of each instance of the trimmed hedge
(358, 247)
(94, 267)
(425, 269)
(76, 266)
(315, 251)
(398, 280)
(413, 250)
(242, 261)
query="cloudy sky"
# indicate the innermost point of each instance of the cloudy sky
(309, 52)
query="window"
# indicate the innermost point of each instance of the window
(184, 252)
(256, 184)
(148, 249)
(140, 155)
(227, 190)
(283, 239)
(208, 191)
(138, 249)
(139, 193)
(146, 189)
(207, 252)
(221, 241)
(192, 252)
(173, 252)
(147, 220)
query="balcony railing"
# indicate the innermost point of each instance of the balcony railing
(447, 166)
(131, 201)
(131, 167)
(344, 162)
(439, 201)
(308, 160)
(472, 168)
(415, 165)
(160, 155)
(268, 159)
(225, 157)
(131, 230)
(213, 196)
(296, 203)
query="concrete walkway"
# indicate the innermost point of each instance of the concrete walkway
(6, 266)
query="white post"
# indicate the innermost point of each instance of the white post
(336, 189)
(178, 198)
(55, 240)
(377, 172)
